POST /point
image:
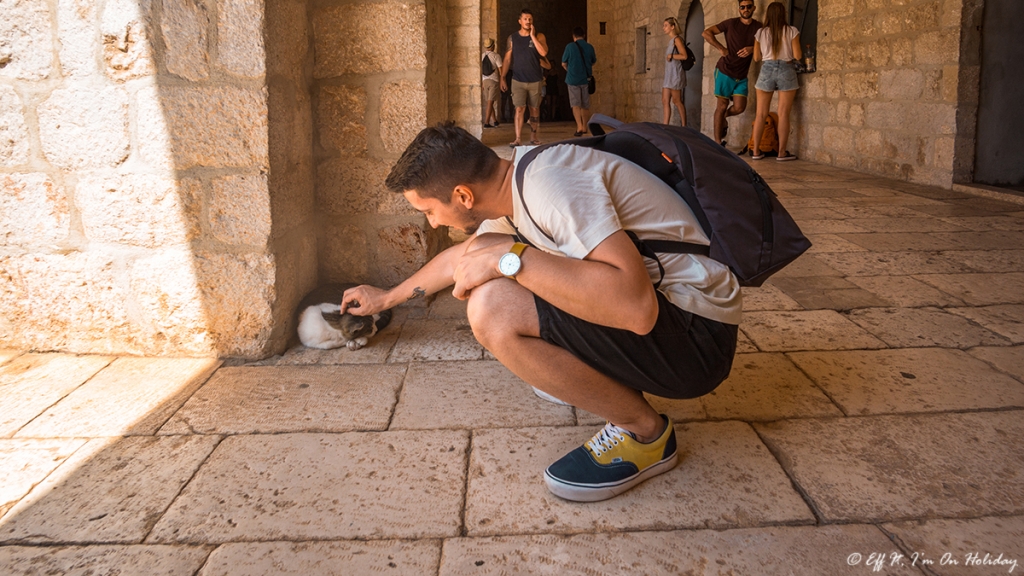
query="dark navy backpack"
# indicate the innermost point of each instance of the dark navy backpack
(749, 229)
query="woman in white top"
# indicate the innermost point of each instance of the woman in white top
(675, 76)
(777, 45)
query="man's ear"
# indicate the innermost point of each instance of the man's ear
(464, 196)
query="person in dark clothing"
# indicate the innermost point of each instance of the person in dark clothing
(732, 68)
(578, 60)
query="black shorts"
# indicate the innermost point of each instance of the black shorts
(684, 356)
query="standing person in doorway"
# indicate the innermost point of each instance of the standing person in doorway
(778, 45)
(490, 85)
(675, 76)
(523, 52)
(578, 60)
(732, 68)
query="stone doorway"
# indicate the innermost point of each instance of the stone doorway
(1000, 115)
(556, 20)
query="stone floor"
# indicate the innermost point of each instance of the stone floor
(873, 423)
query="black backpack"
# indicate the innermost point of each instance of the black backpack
(486, 66)
(688, 63)
(749, 229)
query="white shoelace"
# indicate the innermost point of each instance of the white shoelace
(607, 438)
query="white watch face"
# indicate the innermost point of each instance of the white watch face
(509, 264)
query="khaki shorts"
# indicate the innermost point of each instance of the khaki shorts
(490, 90)
(526, 93)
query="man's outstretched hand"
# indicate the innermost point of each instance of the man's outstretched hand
(363, 300)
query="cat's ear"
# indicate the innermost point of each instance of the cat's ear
(332, 318)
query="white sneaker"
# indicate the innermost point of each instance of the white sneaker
(545, 396)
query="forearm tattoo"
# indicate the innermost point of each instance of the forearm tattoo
(417, 292)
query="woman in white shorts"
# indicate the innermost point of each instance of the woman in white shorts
(778, 45)
(675, 76)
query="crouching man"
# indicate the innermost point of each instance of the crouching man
(574, 312)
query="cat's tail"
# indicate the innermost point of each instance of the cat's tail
(382, 319)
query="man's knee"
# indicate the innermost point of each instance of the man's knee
(498, 310)
(739, 105)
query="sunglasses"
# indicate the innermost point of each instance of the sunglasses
(747, 7)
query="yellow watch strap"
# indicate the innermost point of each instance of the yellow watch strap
(518, 248)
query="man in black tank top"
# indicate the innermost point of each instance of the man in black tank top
(523, 52)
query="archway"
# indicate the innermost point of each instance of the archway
(694, 76)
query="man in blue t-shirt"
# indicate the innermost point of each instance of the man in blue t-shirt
(578, 61)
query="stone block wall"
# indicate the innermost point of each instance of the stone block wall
(884, 99)
(465, 48)
(136, 185)
(380, 76)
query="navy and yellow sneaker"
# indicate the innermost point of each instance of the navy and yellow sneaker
(612, 462)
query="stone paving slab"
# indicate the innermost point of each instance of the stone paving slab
(767, 297)
(868, 212)
(398, 557)
(25, 463)
(1007, 320)
(725, 478)
(909, 380)
(904, 291)
(980, 289)
(744, 344)
(773, 551)
(917, 327)
(995, 261)
(102, 560)
(677, 410)
(987, 240)
(982, 223)
(892, 263)
(31, 383)
(480, 394)
(901, 241)
(109, 491)
(766, 387)
(985, 546)
(822, 226)
(1009, 360)
(923, 224)
(887, 468)
(431, 340)
(270, 399)
(831, 243)
(130, 396)
(827, 292)
(806, 330)
(808, 265)
(370, 485)
(8, 355)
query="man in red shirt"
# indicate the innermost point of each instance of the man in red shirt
(732, 68)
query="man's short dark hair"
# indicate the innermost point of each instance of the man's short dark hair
(578, 32)
(526, 11)
(439, 159)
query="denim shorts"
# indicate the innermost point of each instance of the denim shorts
(777, 75)
(684, 356)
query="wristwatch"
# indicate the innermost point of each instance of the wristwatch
(511, 262)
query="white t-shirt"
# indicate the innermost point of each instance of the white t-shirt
(581, 196)
(764, 38)
(496, 62)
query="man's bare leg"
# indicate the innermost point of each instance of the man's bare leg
(504, 320)
(535, 125)
(520, 118)
(721, 111)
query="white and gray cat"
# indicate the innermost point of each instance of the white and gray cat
(321, 325)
